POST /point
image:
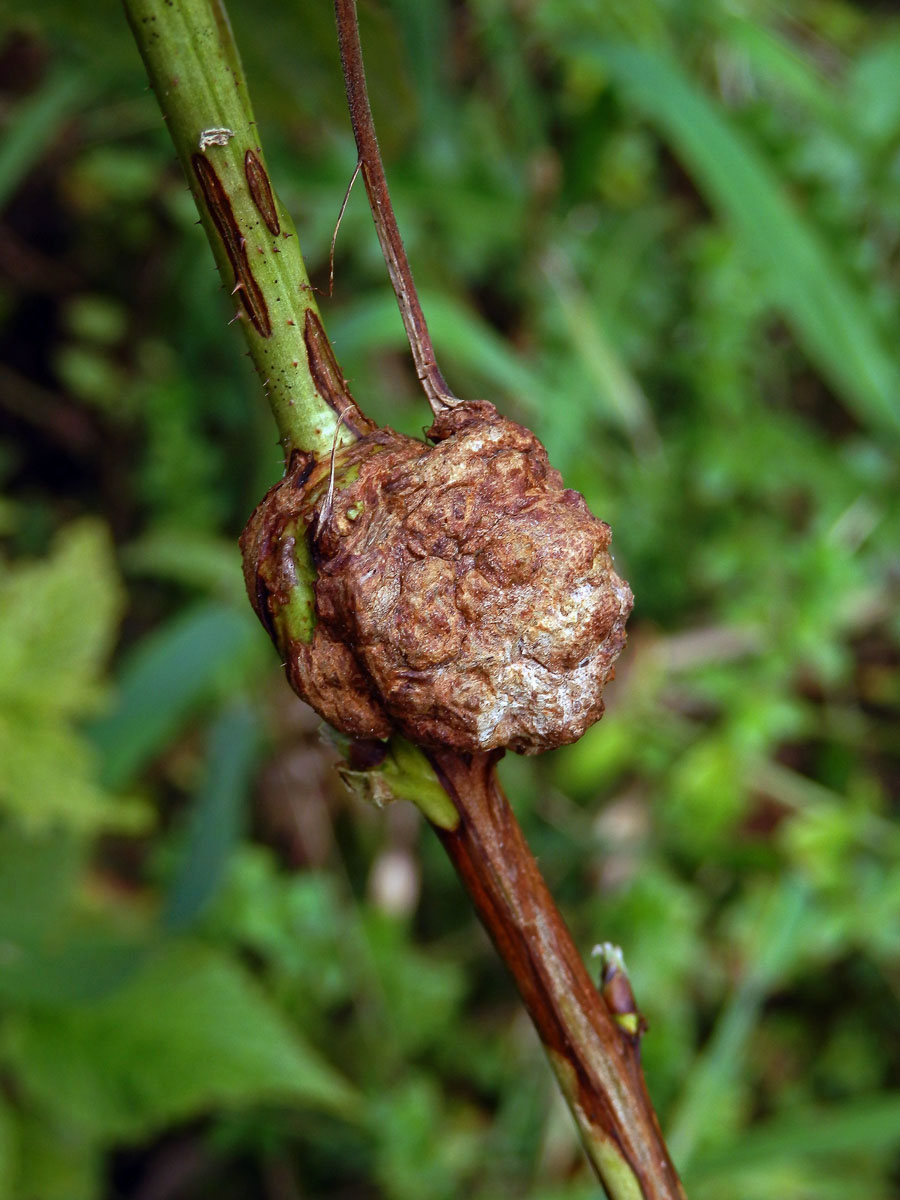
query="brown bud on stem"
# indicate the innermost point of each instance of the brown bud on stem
(463, 595)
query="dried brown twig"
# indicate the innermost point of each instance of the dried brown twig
(436, 389)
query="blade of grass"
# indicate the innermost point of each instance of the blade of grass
(772, 57)
(619, 394)
(466, 339)
(830, 319)
(722, 1057)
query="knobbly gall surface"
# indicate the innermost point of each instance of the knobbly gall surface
(463, 595)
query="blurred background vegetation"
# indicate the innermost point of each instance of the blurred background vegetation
(666, 234)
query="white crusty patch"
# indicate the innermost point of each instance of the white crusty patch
(215, 137)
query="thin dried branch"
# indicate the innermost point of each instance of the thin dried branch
(436, 387)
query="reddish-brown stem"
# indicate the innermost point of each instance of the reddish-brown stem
(592, 1037)
(596, 1061)
(436, 388)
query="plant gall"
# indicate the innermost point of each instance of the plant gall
(462, 595)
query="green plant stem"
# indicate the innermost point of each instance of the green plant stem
(195, 70)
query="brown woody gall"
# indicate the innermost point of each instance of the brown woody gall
(463, 596)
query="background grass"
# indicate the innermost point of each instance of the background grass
(668, 237)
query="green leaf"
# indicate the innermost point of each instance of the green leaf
(698, 1114)
(873, 94)
(217, 817)
(48, 777)
(33, 126)
(618, 394)
(54, 950)
(778, 61)
(56, 1162)
(37, 882)
(166, 678)
(298, 925)
(459, 332)
(58, 621)
(85, 964)
(190, 1032)
(867, 1124)
(189, 558)
(422, 993)
(8, 1152)
(425, 1144)
(831, 320)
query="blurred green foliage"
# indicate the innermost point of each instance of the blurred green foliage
(667, 235)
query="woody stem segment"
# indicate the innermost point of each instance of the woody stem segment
(595, 1056)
